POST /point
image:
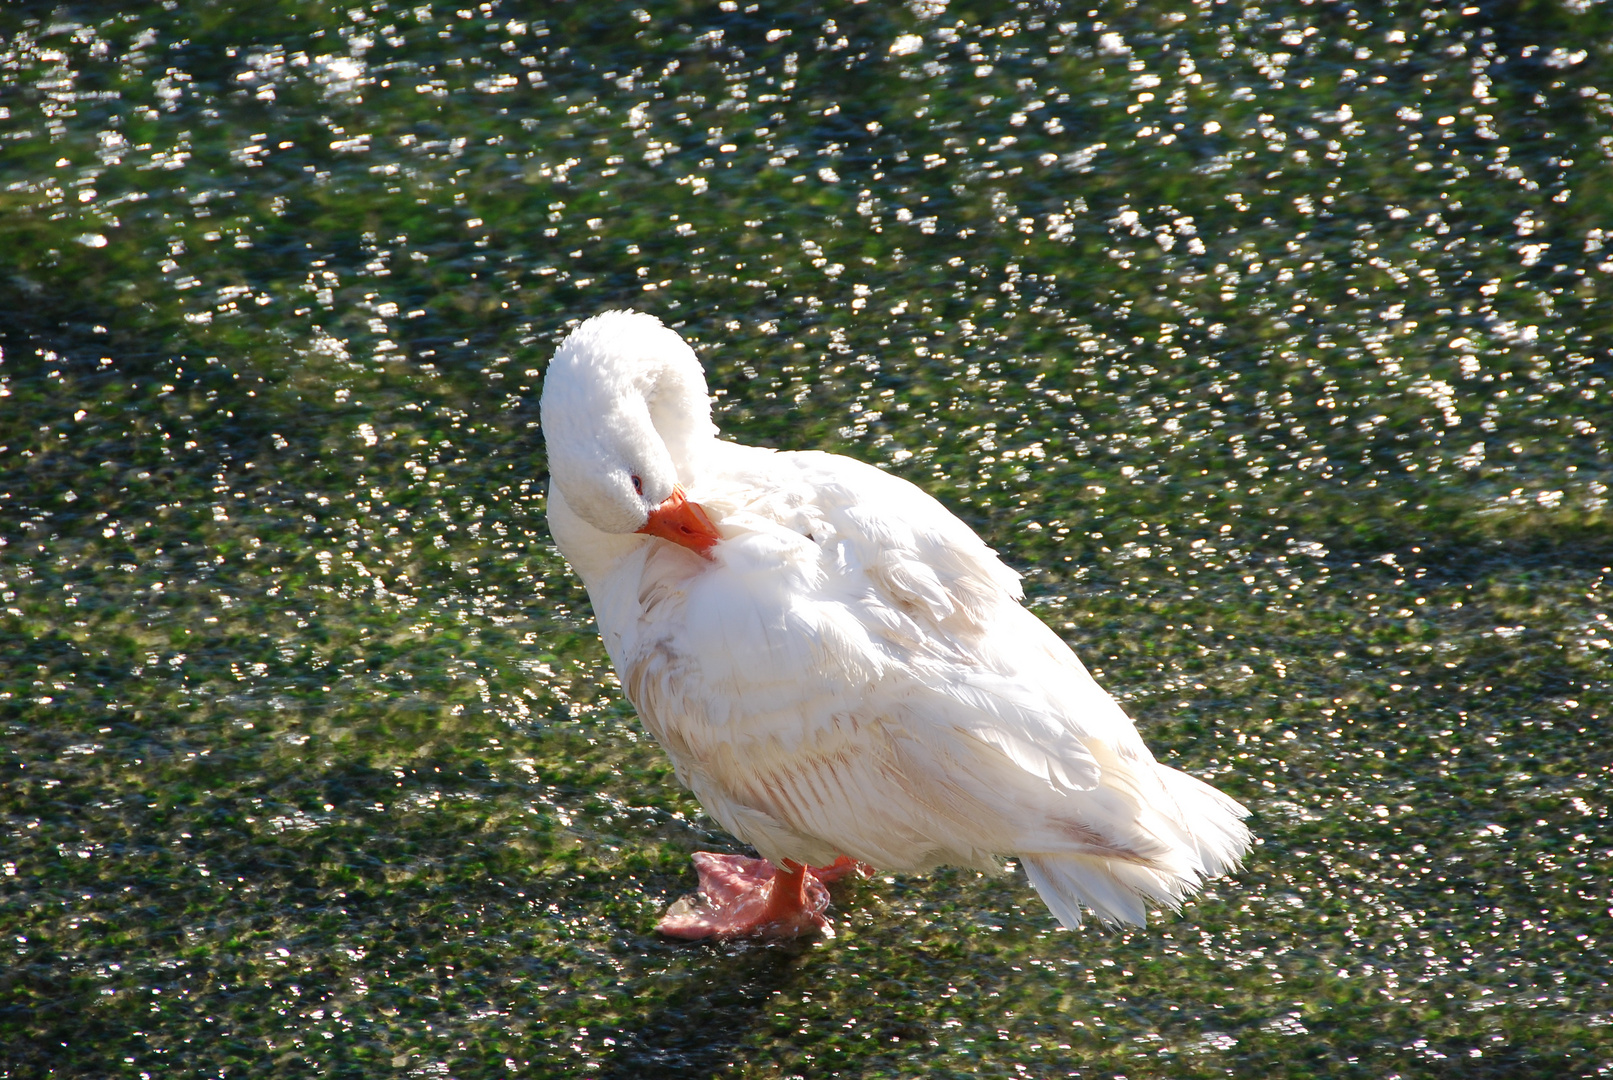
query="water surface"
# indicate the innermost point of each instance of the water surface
(1270, 342)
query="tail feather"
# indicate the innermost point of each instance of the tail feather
(1205, 836)
(1066, 882)
(1213, 819)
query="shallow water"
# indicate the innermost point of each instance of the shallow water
(1270, 342)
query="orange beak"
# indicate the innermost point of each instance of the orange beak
(684, 523)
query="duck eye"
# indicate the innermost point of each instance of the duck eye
(638, 485)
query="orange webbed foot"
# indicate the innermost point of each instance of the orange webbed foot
(745, 897)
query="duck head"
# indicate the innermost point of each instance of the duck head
(626, 417)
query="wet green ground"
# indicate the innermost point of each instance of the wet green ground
(1270, 342)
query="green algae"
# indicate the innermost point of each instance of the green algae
(1269, 342)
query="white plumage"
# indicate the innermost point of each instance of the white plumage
(848, 671)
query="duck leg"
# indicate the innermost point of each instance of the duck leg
(838, 869)
(744, 897)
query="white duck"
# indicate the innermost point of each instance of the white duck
(839, 668)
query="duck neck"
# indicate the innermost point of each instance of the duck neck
(680, 411)
(593, 553)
